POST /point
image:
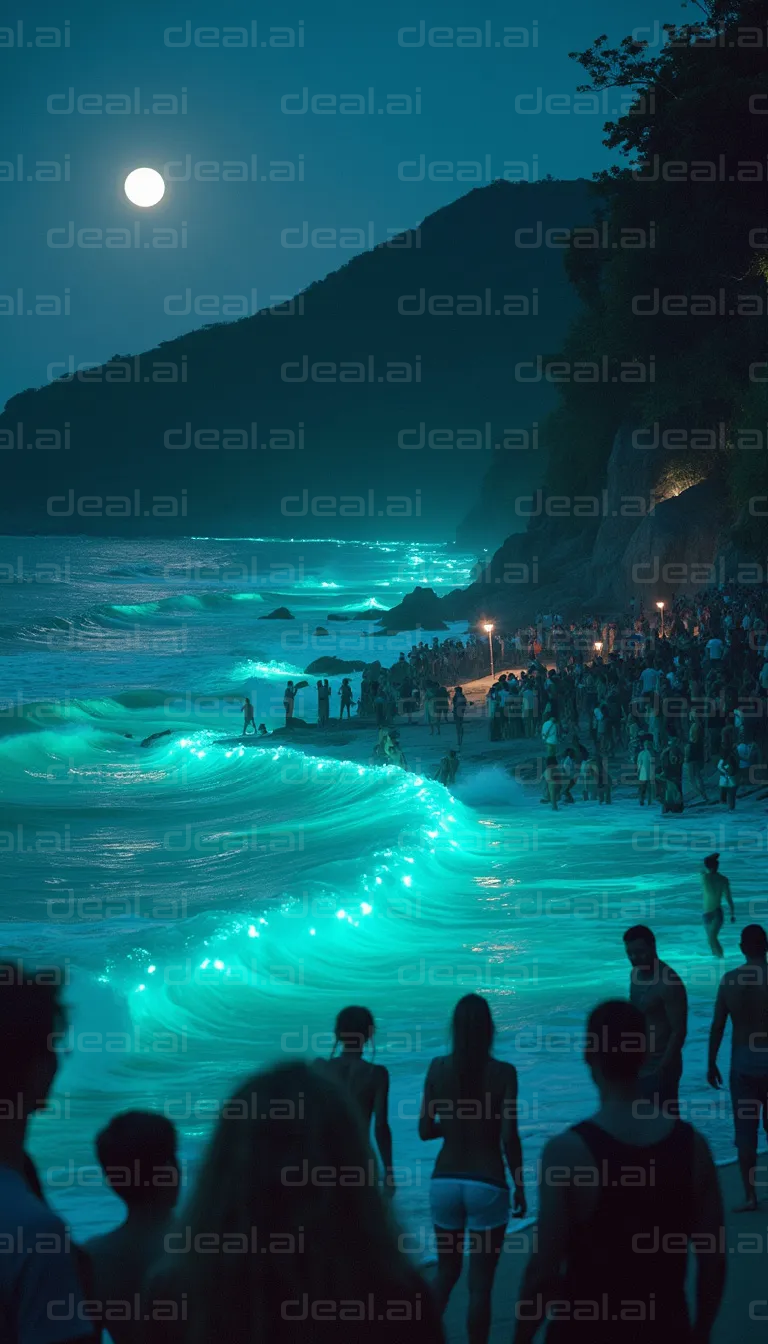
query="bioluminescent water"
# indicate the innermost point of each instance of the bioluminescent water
(214, 905)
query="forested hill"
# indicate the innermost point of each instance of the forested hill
(371, 406)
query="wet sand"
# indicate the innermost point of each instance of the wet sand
(745, 1305)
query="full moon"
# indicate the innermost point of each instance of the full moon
(144, 187)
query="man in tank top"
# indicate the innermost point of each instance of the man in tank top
(624, 1199)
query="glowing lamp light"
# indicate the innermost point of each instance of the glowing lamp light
(598, 646)
(488, 628)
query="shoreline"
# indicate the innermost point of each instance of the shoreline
(353, 740)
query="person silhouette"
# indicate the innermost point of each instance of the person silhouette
(366, 1081)
(470, 1102)
(137, 1153)
(248, 716)
(602, 1234)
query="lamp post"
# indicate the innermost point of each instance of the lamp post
(488, 627)
(660, 606)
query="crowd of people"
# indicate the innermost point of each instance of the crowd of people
(683, 697)
(288, 1230)
(682, 691)
(674, 704)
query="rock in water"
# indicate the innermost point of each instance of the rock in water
(333, 667)
(279, 614)
(154, 736)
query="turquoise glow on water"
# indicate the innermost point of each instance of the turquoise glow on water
(215, 905)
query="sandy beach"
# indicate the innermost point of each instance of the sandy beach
(745, 1305)
(354, 739)
(742, 1315)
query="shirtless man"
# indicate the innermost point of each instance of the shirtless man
(715, 886)
(366, 1082)
(743, 996)
(660, 995)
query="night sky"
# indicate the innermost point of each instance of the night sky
(218, 92)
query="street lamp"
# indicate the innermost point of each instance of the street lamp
(660, 606)
(488, 627)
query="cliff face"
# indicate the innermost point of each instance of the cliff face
(595, 553)
(370, 406)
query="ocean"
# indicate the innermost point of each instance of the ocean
(213, 907)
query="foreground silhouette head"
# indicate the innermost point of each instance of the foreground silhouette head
(754, 942)
(354, 1028)
(31, 1019)
(616, 1043)
(640, 944)
(137, 1152)
(274, 1163)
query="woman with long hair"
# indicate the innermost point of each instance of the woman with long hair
(287, 1235)
(470, 1102)
(364, 1080)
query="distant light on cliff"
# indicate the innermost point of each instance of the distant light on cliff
(676, 480)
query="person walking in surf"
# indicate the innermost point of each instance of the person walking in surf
(714, 887)
(248, 718)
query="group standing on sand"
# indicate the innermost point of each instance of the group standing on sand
(589, 1230)
(624, 1195)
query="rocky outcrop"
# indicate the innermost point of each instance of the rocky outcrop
(419, 610)
(652, 530)
(279, 614)
(333, 667)
(676, 547)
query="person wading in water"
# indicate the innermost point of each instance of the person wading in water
(714, 888)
